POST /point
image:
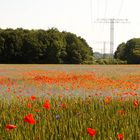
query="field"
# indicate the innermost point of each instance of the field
(69, 102)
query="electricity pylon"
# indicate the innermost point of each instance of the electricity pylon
(103, 51)
(111, 21)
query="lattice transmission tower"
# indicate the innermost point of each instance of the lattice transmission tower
(103, 50)
(112, 21)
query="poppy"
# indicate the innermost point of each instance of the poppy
(33, 97)
(29, 105)
(47, 105)
(91, 132)
(120, 136)
(121, 112)
(36, 110)
(29, 119)
(136, 103)
(107, 99)
(10, 126)
(63, 105)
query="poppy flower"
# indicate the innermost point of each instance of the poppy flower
(60, 96)
(107, 99)
(36, 110)
(33, 97)
(10, 126)
(47, 105)
(18, 96)
(91, 132)
(120, 136)
(29, 119)
(121, 112)
(63, 105)
(136, 103)
(29, 105)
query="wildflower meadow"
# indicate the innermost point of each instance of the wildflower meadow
(69, 102)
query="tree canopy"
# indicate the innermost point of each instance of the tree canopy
(43, 46)
(129, 51)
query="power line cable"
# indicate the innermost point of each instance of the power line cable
(106, 6)
(120, 9)
(91, 14)
(98, 3)
(105, 11)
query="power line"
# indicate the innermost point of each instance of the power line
(98, 3)
(111, 22)
(106, 5)
(103, 48)
(121, 6)
(91, 13)
(105, 11)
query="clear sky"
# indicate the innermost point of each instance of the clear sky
(76, 16)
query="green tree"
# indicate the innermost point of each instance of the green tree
(43, 46)
(77, 49)
(11, 48)
(120, 52)
(132, 51)
(129, 51)
(1, 48)
(56, 47)
(31, 48)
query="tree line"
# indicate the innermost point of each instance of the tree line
(43, 47)
(129, 51)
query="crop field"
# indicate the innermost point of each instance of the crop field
(69, 102)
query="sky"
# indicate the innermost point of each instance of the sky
(76, 16)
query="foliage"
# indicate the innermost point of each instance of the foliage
(69, 119)
(120, 54)
(109, 61)
(41, 46)
(129, 51)
(132, 51)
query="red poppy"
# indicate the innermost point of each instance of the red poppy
(36, 110)
(47, 105)
(10, 126)
(120, 136)
(33, 97)
(29, 105)
(121, 112)
(29, 119)
(18, 96)
(136, 103)
(91, 132)
(60, 96)
(107, 99)
(63, 105)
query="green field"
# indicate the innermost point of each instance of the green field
(61, 102)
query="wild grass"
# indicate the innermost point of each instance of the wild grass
(65, 100)
(70, 120)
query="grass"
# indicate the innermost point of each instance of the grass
(79, 98)
(75, 117)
